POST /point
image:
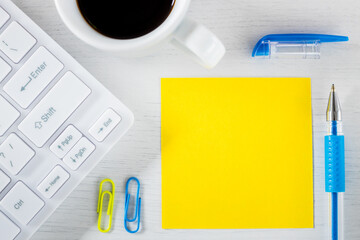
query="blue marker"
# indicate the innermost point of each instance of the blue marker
(335, 166)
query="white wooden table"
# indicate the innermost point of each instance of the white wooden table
(239, 23)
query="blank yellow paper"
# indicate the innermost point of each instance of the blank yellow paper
(236, 153)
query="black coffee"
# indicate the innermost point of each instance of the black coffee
(125, 19)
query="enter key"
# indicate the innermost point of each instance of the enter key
(41, 68)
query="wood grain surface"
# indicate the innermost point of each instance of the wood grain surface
(136, 81)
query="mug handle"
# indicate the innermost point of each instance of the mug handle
(199, 42)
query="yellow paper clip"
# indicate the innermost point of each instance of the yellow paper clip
(110, 204)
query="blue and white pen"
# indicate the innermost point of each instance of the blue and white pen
(335, 166)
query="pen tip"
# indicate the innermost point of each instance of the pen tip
(333, 88)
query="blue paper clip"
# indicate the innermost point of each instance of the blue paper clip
(137, 206)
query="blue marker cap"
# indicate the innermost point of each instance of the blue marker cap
(298, 45)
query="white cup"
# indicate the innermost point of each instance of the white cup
(192, 37)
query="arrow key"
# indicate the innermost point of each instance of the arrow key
(105, 124)
(53, 182)
(67, 139)
(79, 153)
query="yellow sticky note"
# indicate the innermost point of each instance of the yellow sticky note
(236, 153)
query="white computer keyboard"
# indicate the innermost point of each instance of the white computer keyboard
(56, 123)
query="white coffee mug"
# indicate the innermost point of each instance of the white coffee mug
(194, 38)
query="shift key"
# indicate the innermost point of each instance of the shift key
(54, 109)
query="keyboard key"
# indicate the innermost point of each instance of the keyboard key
(79, 153)
(15, 154)
(65, 141)
(53, 110)
(4, 17)
(4, 181)
(15, 42)
(53, 182)
(4, 69)
(8, 115)
(22, 203)
(105, 124)
(41, 68)
(8, 229)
